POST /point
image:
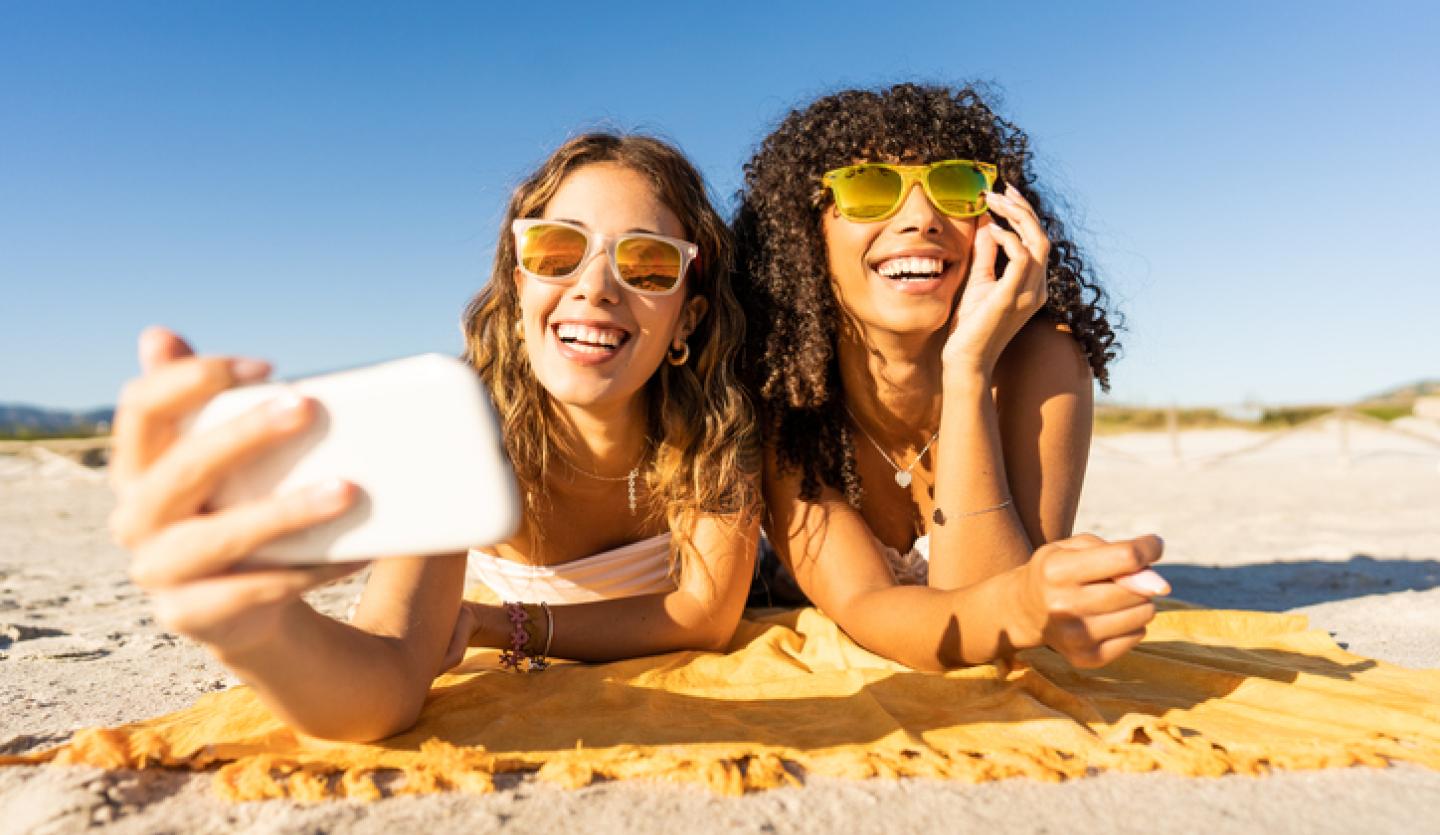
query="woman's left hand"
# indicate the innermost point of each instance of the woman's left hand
(474, 626)
(992, 310)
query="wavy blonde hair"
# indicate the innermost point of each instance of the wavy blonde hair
(700, 422)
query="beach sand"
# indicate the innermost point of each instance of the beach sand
(1338, 522)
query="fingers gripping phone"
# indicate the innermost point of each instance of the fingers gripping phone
(418, 437)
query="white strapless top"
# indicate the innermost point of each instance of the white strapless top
(911, 568)
(628, 571)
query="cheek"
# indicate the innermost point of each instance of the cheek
(535, 307)
(536, 300)
(962, 232)
(846, 244)
(657, 319)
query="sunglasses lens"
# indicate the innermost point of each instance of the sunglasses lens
(647, 264)
(956, 189)
(866, 192)
(551, 250)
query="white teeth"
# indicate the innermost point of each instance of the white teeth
(586, 336)
(910, 265)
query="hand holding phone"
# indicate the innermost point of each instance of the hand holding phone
(419, 439)
(257, 477)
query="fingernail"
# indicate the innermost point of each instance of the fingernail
(246, 370)
(330, 495)
(285, 406)
(1011, 189)
(1149, 582)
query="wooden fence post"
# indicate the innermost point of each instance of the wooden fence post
(1172, 425)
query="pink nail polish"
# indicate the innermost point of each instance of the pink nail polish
(1149, 582)
(285, 406)
(331, 494)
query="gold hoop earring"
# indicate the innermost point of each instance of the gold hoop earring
(520, 330)
(678, 358)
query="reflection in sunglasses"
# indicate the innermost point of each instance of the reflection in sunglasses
(643, 262)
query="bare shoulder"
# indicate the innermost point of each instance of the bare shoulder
(1043, 356)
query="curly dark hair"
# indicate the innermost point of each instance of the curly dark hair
(783, 279)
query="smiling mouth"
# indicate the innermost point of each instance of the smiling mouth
(590, 339)
(911, 268)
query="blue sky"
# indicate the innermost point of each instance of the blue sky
(321, 183)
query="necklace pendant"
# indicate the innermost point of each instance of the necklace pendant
(902, 478)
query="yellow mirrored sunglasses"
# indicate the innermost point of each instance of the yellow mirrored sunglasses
(871, 191)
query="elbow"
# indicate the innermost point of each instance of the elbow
(367, 729)
(376, 731)
(702, 625)
(936, 663)
(712, 637)
(370, 714)
(710, 634)
(945, 662)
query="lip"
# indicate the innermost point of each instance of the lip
(913, 288)
(585, 358)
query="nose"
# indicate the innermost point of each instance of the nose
(595, 281)
(917, 213)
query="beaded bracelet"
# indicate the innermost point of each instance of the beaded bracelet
(522, 640)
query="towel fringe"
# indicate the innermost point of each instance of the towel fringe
(1263, 694)
(1138, 745)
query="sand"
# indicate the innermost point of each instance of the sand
(1342, 524)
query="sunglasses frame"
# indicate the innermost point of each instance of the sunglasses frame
(909, 176)
(594, 241)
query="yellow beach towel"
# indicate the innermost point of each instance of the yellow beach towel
(1207, 693)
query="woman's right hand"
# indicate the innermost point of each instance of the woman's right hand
(991, 309)
(1088, 599)
(182, 553)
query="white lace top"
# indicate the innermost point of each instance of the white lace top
(911, 568)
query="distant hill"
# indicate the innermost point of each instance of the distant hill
(1406, 394)
(18, 421)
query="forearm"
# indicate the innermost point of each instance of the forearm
(608, 630)
(331, 680)
(932, 629)
(981, 535)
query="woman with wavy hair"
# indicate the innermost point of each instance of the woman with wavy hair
(923, 346)
(607, 336)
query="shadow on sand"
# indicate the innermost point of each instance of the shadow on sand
(1280, 586)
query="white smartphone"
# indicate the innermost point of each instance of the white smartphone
(418, 436)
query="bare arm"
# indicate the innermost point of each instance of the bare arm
(701, 613)
(1067, 597)
(366, 679)
(1026, 440)
(838, 563)
(325, 678)
(1046, 404)
(988, 508)
(975, 533)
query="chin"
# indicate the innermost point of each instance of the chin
(585, 391)
(917, 320)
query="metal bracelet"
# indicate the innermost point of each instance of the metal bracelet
(939, 518)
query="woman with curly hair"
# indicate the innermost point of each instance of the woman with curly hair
(607, 336)
(923, 346)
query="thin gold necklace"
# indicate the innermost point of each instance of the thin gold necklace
(629, 478)
(902, 476)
